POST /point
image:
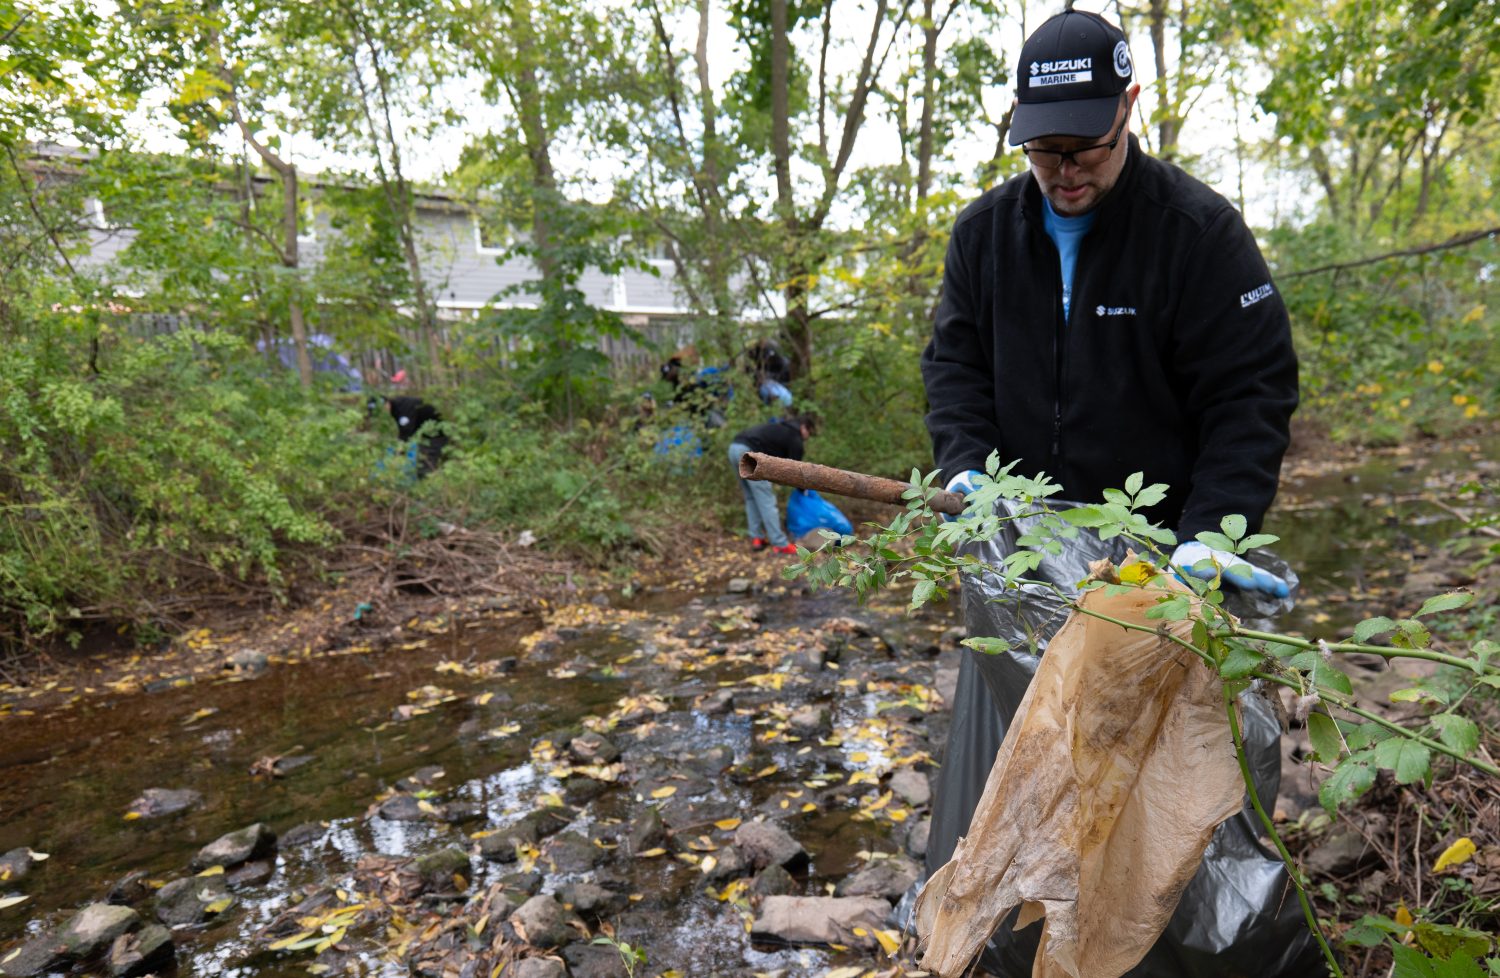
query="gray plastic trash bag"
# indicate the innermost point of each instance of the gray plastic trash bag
(1239, 915)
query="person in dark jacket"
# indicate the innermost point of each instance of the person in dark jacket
(415, 418)
(783, 438)
(1102, 314)
(1105, 314)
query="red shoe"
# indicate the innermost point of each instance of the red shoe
(758, 543)
(789, 549)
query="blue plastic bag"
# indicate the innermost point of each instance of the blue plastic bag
(807, 511)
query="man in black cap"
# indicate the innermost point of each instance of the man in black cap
(1103, 314)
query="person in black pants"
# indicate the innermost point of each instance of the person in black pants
(783, 438)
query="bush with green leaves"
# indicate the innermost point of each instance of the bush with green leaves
(183, 458)
(1355, 742)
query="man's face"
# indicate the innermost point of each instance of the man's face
(1074, 189)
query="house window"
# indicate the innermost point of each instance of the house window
(491, 236)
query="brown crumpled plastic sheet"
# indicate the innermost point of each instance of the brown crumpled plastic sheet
(1101, 801)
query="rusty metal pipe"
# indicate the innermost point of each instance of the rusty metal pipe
(840, 482)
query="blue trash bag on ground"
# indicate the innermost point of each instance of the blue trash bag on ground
(807, 511)
(679, 442)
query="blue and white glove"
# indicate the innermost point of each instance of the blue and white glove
(1203, 561)
(963, 484)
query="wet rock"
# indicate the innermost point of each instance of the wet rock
(904, 713)
(252, 873)
(810, 719)
(911, 787)
(184, 902)
(304, 833)
(768, 844)
(529, 883)
(710, 763)
(821, 920)
(774, 881)
(579, 790)
(542, 922)
(438, 869)
(458, 812)
(252, 842)
(14, 865)
(729, 863)
(156, 802)
(916, 838)
(37, 955)
(283, 766)
(573, 852)
(887, 878)
(594, 748)
(540, 968)
(501, 846)
(646, 831)
(811, 659)
(402, 808)
(594, 961)
(592, 900)
(95, 928)
(550, 821)
(148, 950)
(719, 701)
(247, 660)
(739, 585)
(1340, 854)
(132, 888)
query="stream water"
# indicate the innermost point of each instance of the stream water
(369, 719)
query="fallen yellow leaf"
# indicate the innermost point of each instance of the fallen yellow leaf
(658, 851)
(666, 791)
(1455, 855)
(727, 824)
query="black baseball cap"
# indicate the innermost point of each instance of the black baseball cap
(1072, 71)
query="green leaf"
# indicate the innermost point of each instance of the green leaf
(1410, 760)
(1151, 495)
(1233, 527)
(1352, 778)
(1460, 733)
(1134, 482)
(1216, 540)
(1323, 674)
(1258, 540)
(987, 645)
(923, 592)
(1411, 634)
(1170, 609)
(1449, 942)
(1324, 734)
(1445, 602)
(1240, 661)
(1371, 627)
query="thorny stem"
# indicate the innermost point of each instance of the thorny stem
(1380, 650)
(1335, 698)
(1270, 827)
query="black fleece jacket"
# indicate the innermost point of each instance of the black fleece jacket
(783, 439)
(1177, 359)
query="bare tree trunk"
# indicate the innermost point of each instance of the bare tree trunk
(289, 212)
(538, 141)
(929, 85)
(1168, 124)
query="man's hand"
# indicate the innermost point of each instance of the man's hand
(963, 484)
(1202, 561)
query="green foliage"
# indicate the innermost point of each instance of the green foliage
(917, 551)
(179, 459)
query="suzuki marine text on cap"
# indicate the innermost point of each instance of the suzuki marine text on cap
(1072, 71)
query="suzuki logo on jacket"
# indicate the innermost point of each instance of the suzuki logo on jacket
(1114, 311)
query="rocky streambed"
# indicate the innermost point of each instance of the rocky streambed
(731, 779)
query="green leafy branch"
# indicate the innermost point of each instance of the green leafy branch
(918, 550)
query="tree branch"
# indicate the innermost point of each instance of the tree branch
(1457, 241)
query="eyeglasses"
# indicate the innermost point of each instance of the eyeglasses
(1052, 159)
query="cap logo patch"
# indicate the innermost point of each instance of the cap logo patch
(1122, 60)
(1066, 72)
